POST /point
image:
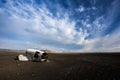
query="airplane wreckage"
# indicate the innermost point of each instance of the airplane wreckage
(33, 55)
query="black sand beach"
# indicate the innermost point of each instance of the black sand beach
(81, 66)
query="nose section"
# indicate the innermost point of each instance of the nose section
(44, 56)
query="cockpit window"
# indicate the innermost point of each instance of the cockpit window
(36, 54)
(44, 56)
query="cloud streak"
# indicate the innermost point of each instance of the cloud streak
(37, 26)
(40, 24)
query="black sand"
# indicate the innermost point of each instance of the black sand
(88, 66)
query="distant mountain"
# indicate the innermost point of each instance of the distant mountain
(6, 50)
(12, 50)
(49, 51)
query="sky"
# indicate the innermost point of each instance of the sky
(60, 25)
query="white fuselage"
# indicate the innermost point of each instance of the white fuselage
(33, 55)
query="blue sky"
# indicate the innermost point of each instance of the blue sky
(60, 25)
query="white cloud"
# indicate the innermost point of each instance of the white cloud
(94, 8)
(41, 29)
(111, 13)
(108, 43)
(81, 9)
(22, 45)
(39, 23)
